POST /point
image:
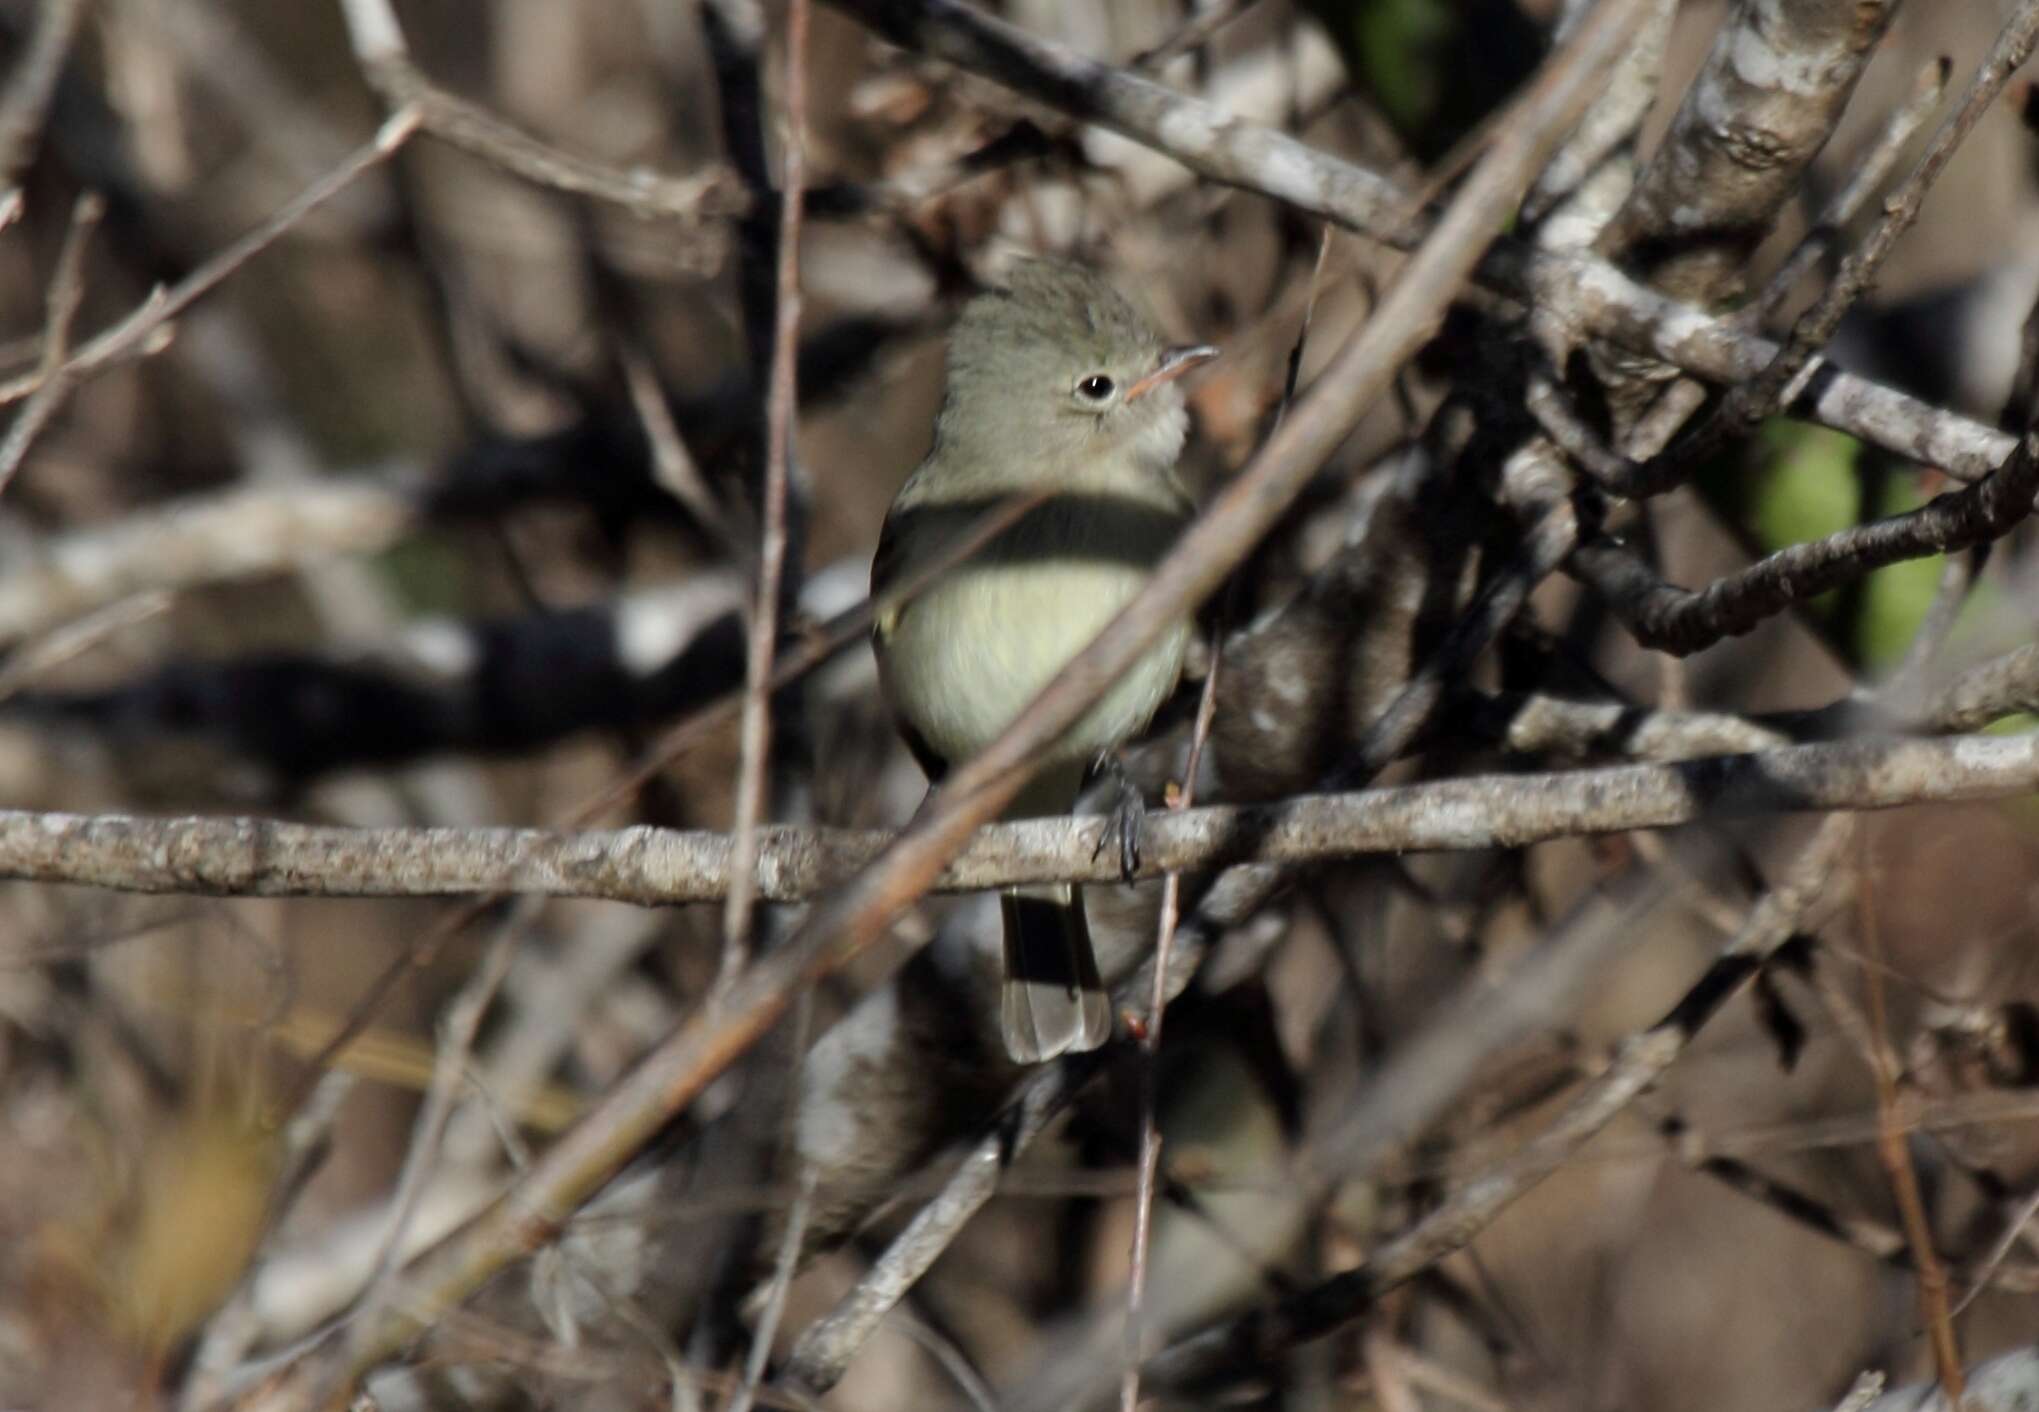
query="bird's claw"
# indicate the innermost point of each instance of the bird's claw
(1126, 820)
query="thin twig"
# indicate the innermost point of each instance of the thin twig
(66, 292)
(236, 1326)
(144, 331)
(943, 1350)
(378, 43)
(1863, 182)
(783, 1269)
(457, 1030)
(1385, 1378)
(26, 104)
(1452, 1386)
(1550, 535)
(1987, 1270)
(1873, 1238)
(825, 1348)
(672, 466)
(1892, 1150)
(764, 615)
(1171, 906)
(1150, 1043)
(23, 666)
(1979, 1109)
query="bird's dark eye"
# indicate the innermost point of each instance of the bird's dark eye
(1096, 387)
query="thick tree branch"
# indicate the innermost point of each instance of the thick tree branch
(1772, 88)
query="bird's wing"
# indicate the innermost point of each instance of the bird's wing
(887, 567)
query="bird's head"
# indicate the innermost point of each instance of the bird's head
(1059, 369)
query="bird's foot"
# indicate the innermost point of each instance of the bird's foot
(1128, 816)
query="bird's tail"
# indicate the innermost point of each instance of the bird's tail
(1053, 1001)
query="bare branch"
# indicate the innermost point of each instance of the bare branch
(1762, 106)
(1680, 621)
(66, 291)
(756, 725)
(1602, 301)
(656, 867)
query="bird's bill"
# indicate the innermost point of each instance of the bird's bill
(1174, 363)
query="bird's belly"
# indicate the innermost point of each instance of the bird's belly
(990, 637)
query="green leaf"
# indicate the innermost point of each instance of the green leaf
(1808, 487)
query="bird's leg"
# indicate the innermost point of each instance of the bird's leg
(1128, 815)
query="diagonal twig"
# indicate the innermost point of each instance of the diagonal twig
(66, 291)
(142, 332)
(1863, 182)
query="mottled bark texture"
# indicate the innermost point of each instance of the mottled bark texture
(1778, 77)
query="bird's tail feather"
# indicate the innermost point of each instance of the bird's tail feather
(1053, 1001)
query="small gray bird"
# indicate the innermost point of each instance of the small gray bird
(1056, 382)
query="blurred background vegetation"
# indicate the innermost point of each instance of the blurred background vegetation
(445, 325)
